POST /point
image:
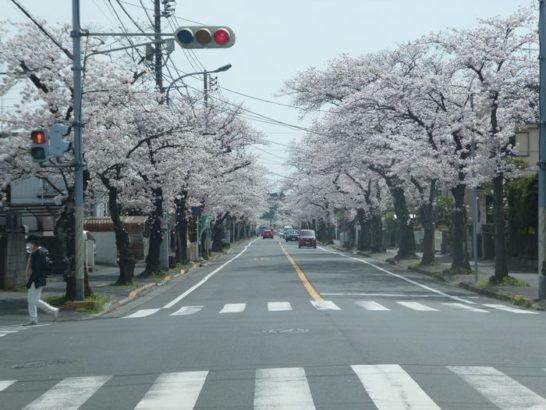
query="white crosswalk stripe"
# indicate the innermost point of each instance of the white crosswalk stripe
(282, 388)
(174, 391)
(278, 306)
(141, 313)
(233, 308)
(4, 384)
(390, 387)
(417, 306)
(510, 309)
(68, 394)
(462, 306)
(500, 389)
(187, 310)
(324, 305)
(371, 305)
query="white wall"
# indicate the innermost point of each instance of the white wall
(106, 250)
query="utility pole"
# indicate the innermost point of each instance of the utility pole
(542, 157)
(78, 154)
(157, 47)
(474, 205)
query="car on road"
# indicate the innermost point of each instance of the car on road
(291, 235)
(307, 238)
(267, 233)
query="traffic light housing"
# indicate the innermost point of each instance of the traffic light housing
(39, 150)
(205, 37)
(50, 143)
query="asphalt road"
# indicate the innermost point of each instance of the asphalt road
(260, 329)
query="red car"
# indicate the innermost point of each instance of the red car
(307, 238)
(267, 233)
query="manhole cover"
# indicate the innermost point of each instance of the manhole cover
(285, 331)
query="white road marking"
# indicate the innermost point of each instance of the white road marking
(278, 306)
(284, 388)
(324, 305)
(510, 309)
(4, 384)
(233, 308)
(461, 306)
(3, 334)
(396, 275)
(70, 393)
(417, 306)
(390, 387)
(174, 391)
(206, 278)
(187, 310)
(371, 305)
(503, 391)
(141, 313)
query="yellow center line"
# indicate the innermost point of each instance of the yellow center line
(308, 287)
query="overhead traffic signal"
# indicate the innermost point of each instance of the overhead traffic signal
(205, 37)
(50, 143)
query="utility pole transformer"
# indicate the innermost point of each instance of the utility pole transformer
(542, 157)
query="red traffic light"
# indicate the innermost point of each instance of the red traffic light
(222, 36)
(205, 37)
(38, 137)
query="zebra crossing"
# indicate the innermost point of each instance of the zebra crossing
(388, 386)
(11, 329)
(231, 309)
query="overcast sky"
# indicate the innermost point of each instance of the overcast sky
(277, 39)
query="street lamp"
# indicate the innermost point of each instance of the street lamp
(205, 79)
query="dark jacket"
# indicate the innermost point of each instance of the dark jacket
(38, 268)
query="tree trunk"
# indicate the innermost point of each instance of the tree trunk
(427, 220)
(406, 238)
(218, 234)
(364, 233)
(126, 261)
(376, 233)
(181, 228)
(460, 258)
(154, 248)
(501, 263)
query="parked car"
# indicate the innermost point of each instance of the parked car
(267, 233)
(307, 238)
(291, 235)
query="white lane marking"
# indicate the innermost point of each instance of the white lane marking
(278, 306)
(510, 309)
(3, 334)
(460, 306)
(4, 384)
(324, 305)
(70, 393)
(390, 387)
(233, 308)
(141, 313)
(371, 305)
(503, 391)
(174, 391)
(284, 388)
(396, 275)
(206, 278)
(417, 306)
(187, 310)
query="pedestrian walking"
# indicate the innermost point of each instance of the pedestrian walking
(37, 267)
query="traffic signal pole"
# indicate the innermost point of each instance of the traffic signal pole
(542, 157)
(78, 153)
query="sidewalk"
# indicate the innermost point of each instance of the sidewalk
(515, 292)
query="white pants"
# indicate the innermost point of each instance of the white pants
(34, 296)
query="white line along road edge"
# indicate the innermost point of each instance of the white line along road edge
(396, 275)
(202, 281)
